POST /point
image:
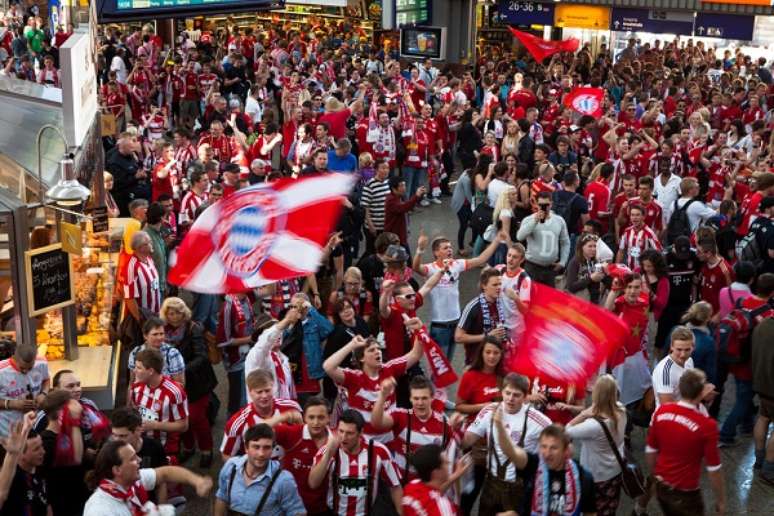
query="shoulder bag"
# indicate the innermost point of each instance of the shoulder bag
(633, 480)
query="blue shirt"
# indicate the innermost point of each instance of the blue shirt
(346, 164)
(283, 498)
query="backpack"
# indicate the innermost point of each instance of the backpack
(563, 206)
(734, 332)
(748, 250)
(481, 218)
(679, 224)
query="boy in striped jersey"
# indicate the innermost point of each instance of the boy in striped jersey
(263, 408)
(353, 467)
(162, 402)
(412, 428)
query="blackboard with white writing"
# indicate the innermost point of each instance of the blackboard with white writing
(49, 279)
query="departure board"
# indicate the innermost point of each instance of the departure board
(130, 10)
(413, 12)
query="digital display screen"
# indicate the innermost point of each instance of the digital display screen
(421, 42)
(413, 12)
(129, 10)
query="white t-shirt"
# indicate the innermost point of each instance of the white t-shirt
(666, 377)
(102, 504)
(445, 296)
(496, 187)
(698, 212)
(596, 454)
(514, 321)
(514, 424)
(117, 65)
(254, 109)
(15, 385)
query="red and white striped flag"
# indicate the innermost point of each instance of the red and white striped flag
(260, 235)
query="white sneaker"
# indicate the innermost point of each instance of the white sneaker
(424, 203)
(435, 200)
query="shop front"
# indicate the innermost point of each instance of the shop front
(57, 266)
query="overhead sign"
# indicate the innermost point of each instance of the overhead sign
(652, 20)
(740, 2)
(525, 13)
(725, 26)
(575, 16)
(79, 85)
(128, 10)
(413, 12)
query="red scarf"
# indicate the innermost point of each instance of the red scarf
(137, 496)
(64, 455)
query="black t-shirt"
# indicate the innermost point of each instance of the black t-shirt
(152, 454)
(472, 318)
(372, 268)
(681, 278)
(27, 495)
(67, 490)
(556, 487)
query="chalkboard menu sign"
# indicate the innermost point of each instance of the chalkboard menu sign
(99, 219)
(49, 279)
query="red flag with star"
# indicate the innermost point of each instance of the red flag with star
(565, 338)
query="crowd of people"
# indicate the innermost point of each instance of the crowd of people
(659, 211)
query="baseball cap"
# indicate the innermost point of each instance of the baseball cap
(396, 253)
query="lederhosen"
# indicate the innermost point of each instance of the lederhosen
(335, 481)
(498, 494)
(264, 497)
(444, 442)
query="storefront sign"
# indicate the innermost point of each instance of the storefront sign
(99, 219)
(582, 16)
(49, 279)
(725, 26)
(128, 10)
(71, 236)
(525, 13)
(652, 20)
(413, 12)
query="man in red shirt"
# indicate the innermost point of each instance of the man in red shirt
(679, 438)
(636, 239)
(301, 443)
(224, 148)
(652, 211)
(628, 192)
(597, 195)
(263, 408)
(396, 209)
(424, 496)
(715, 274)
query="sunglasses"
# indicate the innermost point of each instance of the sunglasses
(407, 296)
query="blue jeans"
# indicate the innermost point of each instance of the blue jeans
(443, 334)
(742, 413)
(414, 177)
(499, 256)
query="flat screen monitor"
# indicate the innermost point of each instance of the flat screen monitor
(423, 42)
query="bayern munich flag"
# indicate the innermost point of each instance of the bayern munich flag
(586, 101)
(261, 234)
(565, 338)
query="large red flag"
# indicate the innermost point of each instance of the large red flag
(586, 101)
(565, 338)
(541, 48)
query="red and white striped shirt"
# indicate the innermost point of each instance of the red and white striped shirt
(363, 390)
(350, 482)
(191, 202)
(636, 241)
(435, 430)
(184, 155)
(420, 499)
(248, 417)
(166, 403)
(142, 284)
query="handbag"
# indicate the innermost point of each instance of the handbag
(633, 480)
(214, 353)
(482, 218)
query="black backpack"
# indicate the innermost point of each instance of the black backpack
(679, 225)
(563, 206)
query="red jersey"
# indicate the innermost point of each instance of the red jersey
(362, 391)
(204, 82)
(349, 476)
(248, 417)
(142, 284)
(224, 148)
(597, 195)
(476, 387)
(114, 102)
(635, 315)
(396, 338)
(418, 149)
(190, 86)
(618, 202)
(682, 437)
(184, 155)
(635, 241)
(189, 205)
(539, 185)
(166, 403)
(714, 278)
(434, 430)
(420, 499)
(750, 209)
(300, 450)
(163, 185)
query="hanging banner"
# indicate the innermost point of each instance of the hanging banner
(652, 20)
(724, 26)
(525, 13)
(582, 16)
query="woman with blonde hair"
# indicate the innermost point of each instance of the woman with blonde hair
(604, 421)
(188, 337)
(697, 318)
(110, 203)
(502, 218)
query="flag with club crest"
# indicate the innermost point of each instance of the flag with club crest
(586, 101)
(261, 234)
